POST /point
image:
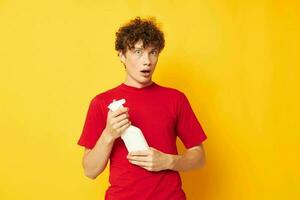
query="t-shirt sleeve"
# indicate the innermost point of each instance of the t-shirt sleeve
(94, 124)
(188, 128)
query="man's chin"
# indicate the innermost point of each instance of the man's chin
(146, 81)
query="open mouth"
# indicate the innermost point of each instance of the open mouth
(145, 71)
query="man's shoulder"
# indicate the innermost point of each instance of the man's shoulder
(107, 92)
(104, 94)
(174, 92)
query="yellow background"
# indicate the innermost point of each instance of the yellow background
(237, 61)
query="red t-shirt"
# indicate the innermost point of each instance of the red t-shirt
(162, 114)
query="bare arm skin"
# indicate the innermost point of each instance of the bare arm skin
(95, 160)
(155, 160)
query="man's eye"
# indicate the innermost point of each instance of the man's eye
(154, 52)
(138, 51)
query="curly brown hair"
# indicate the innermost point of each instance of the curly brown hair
(138, 29)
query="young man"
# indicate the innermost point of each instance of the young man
(161, 113)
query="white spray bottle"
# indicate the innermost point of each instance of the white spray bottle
(133, 137)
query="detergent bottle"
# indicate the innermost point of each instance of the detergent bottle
(133, 137)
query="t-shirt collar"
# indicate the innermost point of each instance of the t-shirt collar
(132, 88)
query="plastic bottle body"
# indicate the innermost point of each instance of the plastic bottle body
(134, 139)
(133, 136)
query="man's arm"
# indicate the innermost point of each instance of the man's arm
(95, 160)
(155, 160)
(192, 159)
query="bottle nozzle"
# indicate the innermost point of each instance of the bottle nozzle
(115, 105)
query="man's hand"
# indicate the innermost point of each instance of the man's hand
(151, 160)
(155, 160)
(117, 122)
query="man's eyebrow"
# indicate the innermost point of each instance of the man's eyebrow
(141, 48)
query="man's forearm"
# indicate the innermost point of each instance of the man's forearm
(192, 159)
(95, 161)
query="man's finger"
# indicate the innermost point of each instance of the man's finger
(140, 163)
(139, 153)
(151, 148)
(139, 158)
(120, 111)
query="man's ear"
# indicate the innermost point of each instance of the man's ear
(122, 57)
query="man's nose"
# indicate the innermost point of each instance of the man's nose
(147, 59)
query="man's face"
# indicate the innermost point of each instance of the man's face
(140, 64)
